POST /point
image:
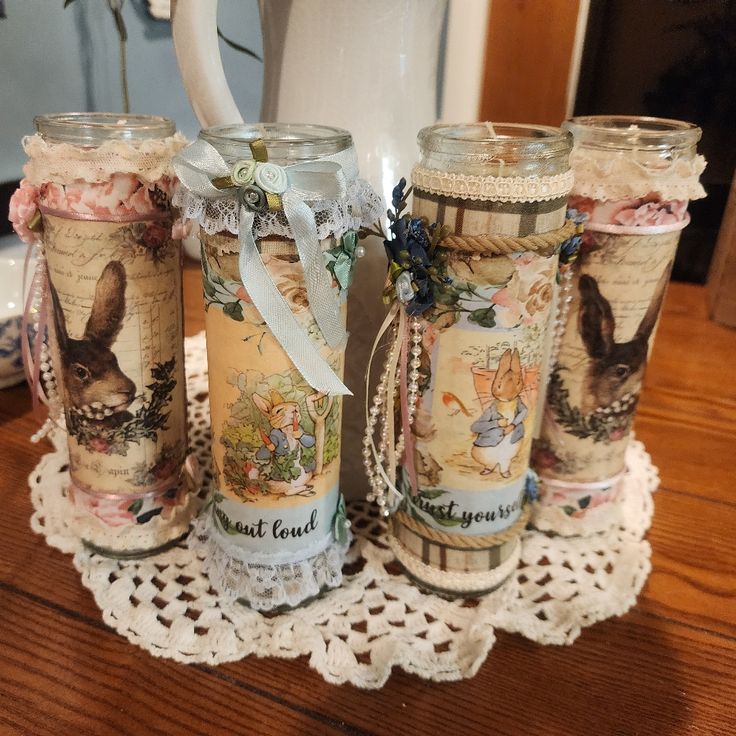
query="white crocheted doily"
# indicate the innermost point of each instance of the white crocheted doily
(377, 619)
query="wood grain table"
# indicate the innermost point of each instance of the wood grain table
(667, 667)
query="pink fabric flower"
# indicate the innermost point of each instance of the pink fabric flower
(23, 207)
(53, 196)
(122, 196)
(648, 214)
(109, 511)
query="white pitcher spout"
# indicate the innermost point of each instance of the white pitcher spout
(194, 27)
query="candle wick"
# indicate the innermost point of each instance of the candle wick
(491, 130)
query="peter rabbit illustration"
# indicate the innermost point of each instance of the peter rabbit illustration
(95, 386)
(616, 369)
(500, 428)
(283, 446)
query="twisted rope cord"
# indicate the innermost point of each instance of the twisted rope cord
(503, 244)
(463, 541)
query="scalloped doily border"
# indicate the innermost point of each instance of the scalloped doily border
(377, 620)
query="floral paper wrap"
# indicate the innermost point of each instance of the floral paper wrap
(116, 328)
(621, 275)
(482, 360)
(275, 441)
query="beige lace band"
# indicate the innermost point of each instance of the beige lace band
(493, 188)
(65, 163)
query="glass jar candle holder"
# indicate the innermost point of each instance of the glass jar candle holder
(634, 177)
(477, 330)
(278, 208)
(102, 184)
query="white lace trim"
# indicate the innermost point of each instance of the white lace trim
(377, 619)
(65, 163)
(267, 584)
(493, 188)
(362, 206)
(613, 177)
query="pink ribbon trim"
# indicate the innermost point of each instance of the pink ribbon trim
(159, 489)
(638, 230)
(67, 214)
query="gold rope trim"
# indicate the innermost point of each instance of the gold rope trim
(463, 541)
(503, 244)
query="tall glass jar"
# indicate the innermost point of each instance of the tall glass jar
(633, 179)
(277, 534)
(103, 184)
(501, 190)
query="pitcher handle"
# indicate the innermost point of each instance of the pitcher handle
(194, 28)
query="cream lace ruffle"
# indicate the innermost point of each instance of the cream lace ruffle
(65, 163)
(606, 177)
(377, 619)
(493, 188)
(362, 206)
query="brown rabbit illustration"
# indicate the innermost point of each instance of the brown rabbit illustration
(616, 368)
(283, 446)
(95, 386)
(500, 428)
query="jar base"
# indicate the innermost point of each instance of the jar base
(135, 554)
(451, 584)
(451, 595)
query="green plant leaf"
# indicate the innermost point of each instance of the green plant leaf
(484, 317)
(137, 505)
(209, 290)
(448, 522)
(234, 310)
(446, 296)
(436, 493)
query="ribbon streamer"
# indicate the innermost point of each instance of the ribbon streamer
(392, 366)
(281, 321)
(197, 166)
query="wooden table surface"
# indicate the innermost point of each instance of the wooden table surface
(667, 667)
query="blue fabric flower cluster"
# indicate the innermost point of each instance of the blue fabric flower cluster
(411, 250)
(570, 249)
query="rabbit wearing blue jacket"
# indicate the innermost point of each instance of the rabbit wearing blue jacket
(500, 428)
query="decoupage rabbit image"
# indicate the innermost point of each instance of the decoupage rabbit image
(283, 446)
(500, 428)
(95, 386)
(616, 369)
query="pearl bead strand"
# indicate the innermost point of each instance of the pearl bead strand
(386, 383)
(47, 375)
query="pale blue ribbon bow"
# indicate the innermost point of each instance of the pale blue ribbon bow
(196, 166)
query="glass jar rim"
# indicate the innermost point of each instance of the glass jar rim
(480, 142)
(632, 132)
(285, 142)
(90, 128)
